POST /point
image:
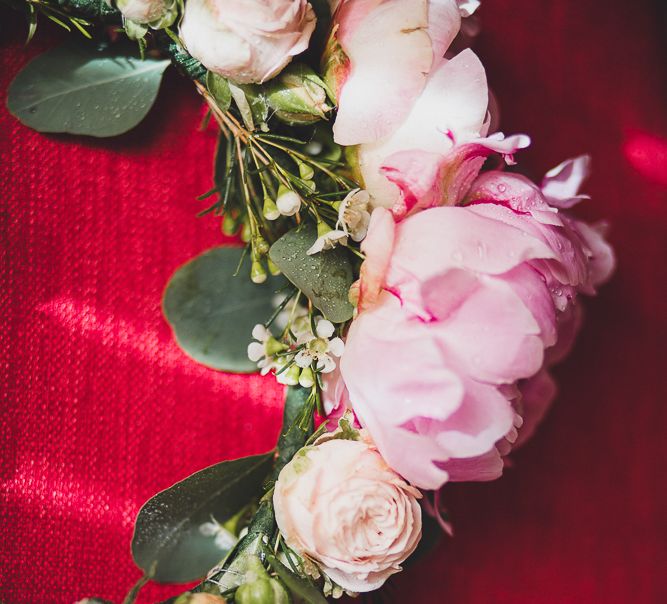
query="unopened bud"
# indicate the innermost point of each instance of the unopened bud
(298, 95)
(290, 377)
(262, 591)
(307, 378)
(306, 171)
(273, 268)
(270, 210)
(288, 201)
(260, 245)
(229, 225)
(246, 232)
(257, 272)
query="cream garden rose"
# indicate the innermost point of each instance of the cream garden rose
(339, 504)
(248, 41)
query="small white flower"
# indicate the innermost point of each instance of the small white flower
(288, 202)
(262, 351)
(327, 241)
(353, 214)
(319, 347)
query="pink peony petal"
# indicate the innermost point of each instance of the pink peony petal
(390, 57)
(561, 184)
(453, 104)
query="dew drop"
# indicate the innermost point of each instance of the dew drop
(502, 188)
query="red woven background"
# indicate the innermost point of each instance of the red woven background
(101, 410)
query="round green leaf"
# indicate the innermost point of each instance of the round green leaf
(212, 312)
(324, 277)
(81, 90)
(168, 544)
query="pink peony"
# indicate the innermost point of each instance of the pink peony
(339, 503)
(247, 40)
(460, 309)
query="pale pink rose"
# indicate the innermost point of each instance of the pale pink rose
(340, 504)
(141, 11)
(460, 307)
(388, 49)
(247, 40)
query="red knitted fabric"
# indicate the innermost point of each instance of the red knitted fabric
(100, 408)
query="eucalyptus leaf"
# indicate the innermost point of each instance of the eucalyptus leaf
(213, 312)
(82, 90)
(325, 278)
(167, 541)
(299, 586)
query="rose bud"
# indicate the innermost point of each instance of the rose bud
(247, 41)
(298, 96)
(340, 505)
(141, 11)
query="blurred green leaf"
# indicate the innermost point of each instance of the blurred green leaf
(82, 90)
(168, 544)
(212, 312)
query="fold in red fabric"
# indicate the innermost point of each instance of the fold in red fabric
(101, 409)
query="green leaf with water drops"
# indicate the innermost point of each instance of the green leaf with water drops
(325, 278)
(212, 310)
(168, 541)
(79, 89)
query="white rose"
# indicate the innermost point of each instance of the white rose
(248, 41)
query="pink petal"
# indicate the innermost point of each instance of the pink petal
(390, 56)
(561, 184)
(444, 22)
(453, 104)
(378, 247)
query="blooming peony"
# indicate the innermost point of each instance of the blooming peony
(247, 40)
(340, 504)
(460, 309)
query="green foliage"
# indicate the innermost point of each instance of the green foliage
(297, 425)
(168, 544)
(299, 586)
(80, 90)
(325, 278)
(213, 312)
(219, 89)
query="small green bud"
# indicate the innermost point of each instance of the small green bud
(260, 245)
(306, 171)
(291, 376)
(270, 210)
(246, 232)
(229, 225)
(307, 378)
(272, 346)
(257, 272)
(262, 591)
(273, 268)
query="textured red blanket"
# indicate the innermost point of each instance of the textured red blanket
(100, 408)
